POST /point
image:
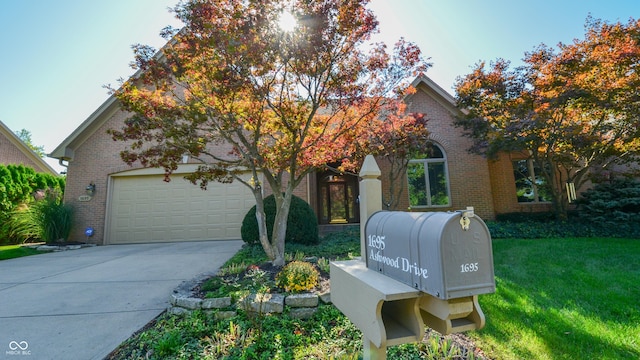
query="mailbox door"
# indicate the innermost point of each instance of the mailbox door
(467, 258)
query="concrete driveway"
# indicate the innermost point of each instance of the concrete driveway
(81, 304)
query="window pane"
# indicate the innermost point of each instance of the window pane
(542, 188)
(417, 185)
(438, 184)
(433, 152)
(531, 185)
(325, 203)
(338, 203)
(524, 184)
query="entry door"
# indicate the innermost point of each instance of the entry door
(338, 199)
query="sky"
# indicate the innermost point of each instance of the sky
(57, 56)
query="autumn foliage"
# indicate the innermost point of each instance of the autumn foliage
(574, 110)
(281, 104)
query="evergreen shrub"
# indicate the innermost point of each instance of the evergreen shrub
(302, 224)
(612, 202)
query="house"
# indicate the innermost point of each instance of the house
(124, 204)
(15, 151)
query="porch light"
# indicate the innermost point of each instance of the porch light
(91, 189)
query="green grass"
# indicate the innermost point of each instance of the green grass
(563, 299)
(16, 251)
(555, 299)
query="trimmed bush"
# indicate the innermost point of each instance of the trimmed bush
(562, 229)
(526, 216)
(302, 224)
(297, 276)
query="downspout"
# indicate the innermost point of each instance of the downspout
(61, 163)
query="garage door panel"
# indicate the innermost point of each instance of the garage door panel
(147, 209)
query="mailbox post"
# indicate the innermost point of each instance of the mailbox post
(415, 269)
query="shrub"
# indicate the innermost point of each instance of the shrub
(562, 229)
(297, 276)
(18, 187)
(617, 201)
(526, 216)
(302, 224)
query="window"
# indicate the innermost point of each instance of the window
(530, 184)
(428, 179)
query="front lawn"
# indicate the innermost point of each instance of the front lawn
(16, 251)
(555, 299)
(563, 299)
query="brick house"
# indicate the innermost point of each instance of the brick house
(133, 204)
(15, 151)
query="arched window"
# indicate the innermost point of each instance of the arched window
(429, 179)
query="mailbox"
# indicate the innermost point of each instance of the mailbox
(447, 255)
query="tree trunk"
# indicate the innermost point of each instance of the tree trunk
(283, 203)
(262, 225)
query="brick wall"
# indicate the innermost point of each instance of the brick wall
(469, 178)
(96, 159)
(11, 154)
(488, 186)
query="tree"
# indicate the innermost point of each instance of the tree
(281, 104)
(25, 136)
(397, 140)
(574, 111)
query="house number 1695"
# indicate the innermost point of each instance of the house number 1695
(471, 267)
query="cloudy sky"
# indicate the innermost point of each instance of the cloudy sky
(57, 55)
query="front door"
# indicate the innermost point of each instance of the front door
(337, 198)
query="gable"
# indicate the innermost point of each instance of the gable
(66, 150)
(15, 151)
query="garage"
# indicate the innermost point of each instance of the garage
(143, 208)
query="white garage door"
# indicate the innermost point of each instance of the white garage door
(144, 208)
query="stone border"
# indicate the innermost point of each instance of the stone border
(299, 306)
(56, 248)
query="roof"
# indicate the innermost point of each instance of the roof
(66, 150)
(40, 164)
(424, 83)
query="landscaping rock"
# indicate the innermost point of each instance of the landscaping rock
(54, 247)
(224, 315)
(325, 297)
(174, 310)
(189, 303)
(302, 300)
(263, 303)
(174, 298)
(302, 313)
(216, 303)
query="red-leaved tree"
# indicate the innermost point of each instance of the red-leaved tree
(573, 111)
(282, 103)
